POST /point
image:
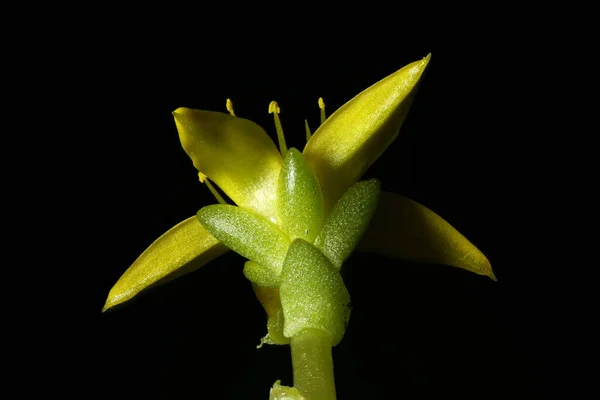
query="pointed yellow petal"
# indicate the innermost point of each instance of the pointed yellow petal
(235, 153)
(406, 229)
(268, 298)
(182, 249)
(353, 137)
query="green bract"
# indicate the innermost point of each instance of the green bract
(300, 203)
(347, 221)
(261, 275)
(246, 233)
(313, 294)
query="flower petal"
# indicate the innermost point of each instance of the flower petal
(406, 229)
(182, 249)
(235, 153)
(353, 137)
(268, 298)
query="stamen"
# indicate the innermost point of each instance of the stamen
(204, 179)
(229, 106)
(307, 129)
(322, 107)
(275, 110)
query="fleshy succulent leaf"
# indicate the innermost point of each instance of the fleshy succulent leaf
(313, 294)
(260, 275)
(348, 220)
(246, 233)
(300, 203)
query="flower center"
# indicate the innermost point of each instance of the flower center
(283, 149)
(229, 107)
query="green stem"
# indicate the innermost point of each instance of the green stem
(313, 364)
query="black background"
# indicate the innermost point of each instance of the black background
(417, 331)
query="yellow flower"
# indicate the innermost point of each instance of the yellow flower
(238, 156)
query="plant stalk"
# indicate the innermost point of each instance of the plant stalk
(313, 364)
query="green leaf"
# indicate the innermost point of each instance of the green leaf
(347, 221)
(313, 294)
(246, 233)
(260, 275)
(300, 203)
(406, 229)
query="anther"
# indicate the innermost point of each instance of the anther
(322, 107)
(229, 106)
(274, 107)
